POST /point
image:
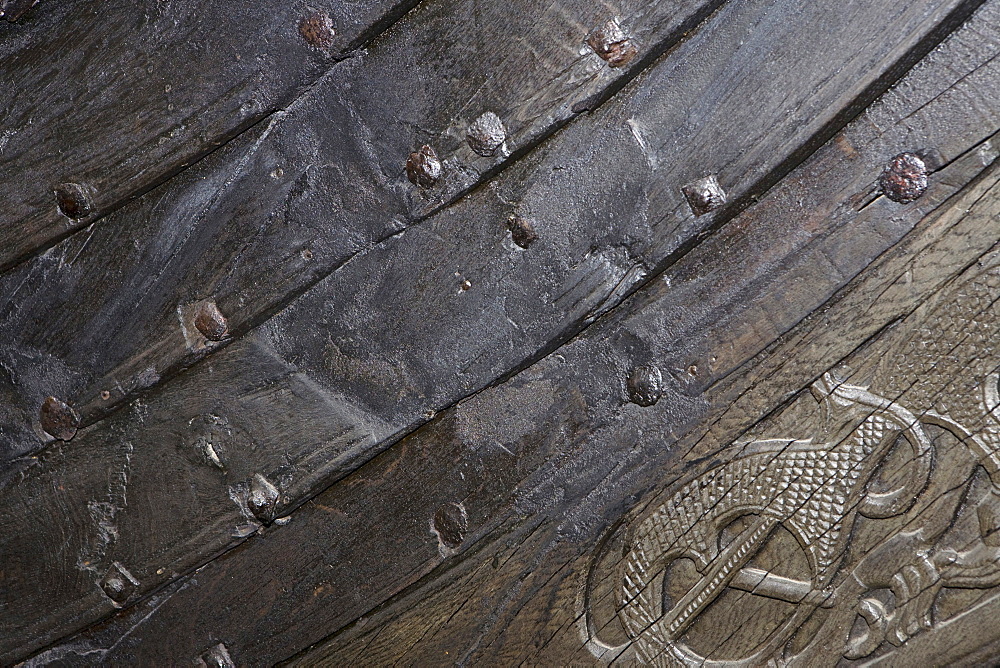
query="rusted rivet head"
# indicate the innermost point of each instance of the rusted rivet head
(118, 584)
(904, 179)
(73, 200)
(217, 657)
(704, 195)
(210, 321)
(451, 523)
(58, 419)
(644, 385)
(263, 498)
(486, 134)
(317, 30)
(610, 43)
(522, 232)
(423, 167)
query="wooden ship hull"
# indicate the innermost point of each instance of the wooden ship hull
(458, 333)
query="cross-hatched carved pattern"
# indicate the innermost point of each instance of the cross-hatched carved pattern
(805, 485)
(942, 365)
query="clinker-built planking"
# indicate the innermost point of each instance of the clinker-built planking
(547, 459)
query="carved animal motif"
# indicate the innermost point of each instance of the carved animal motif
(817, 489)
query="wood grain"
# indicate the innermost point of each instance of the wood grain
(118, 98)
(272, 204)
(543, 463)
(303, 192)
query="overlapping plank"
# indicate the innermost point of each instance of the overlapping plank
(127, 94)
(556, 440)
(304, 191)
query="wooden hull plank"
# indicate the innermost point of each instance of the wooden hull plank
(671, 135)
(576, 436)
(159, 86)
(301, 193)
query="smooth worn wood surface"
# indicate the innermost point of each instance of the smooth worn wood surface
(302, 193)
(474, 539)
(112, 99)
(693, 362)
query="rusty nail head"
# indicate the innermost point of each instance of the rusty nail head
(486, 134)
(118, 584)
(904, 178)
(58, 419)
(317, 30)
(611, 43)
(704, 195)
(208, 319)
(644, 386)
(423, 167)
(74, 200)
(522, 232)
(451, 522)
(263, 498)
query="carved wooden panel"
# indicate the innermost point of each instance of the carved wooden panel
(467, 333)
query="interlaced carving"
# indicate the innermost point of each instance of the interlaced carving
(944, 376)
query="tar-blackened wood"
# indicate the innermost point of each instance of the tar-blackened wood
(273, 205)
(304, 191)
(484, 521)
(102, 102)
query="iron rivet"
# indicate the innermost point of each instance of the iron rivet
(423, 167)
(58, 419)
(73, 200)
(451, 522)
(644, 386)
(904, 179)
(105, 395)
(486, 134)
(317, 30)
(611, 44)
(263, 498)
(522, 232)
(119, 584)
(210, 321)
(704, 195)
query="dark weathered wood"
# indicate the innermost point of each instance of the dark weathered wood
(118, 97)
(305, 191)
(555, 442)
(674, 127)
(540, 619)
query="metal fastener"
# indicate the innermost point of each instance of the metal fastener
(73, 200)
(208, 319)
(611, 43)
(423, 167)
(904, 178)
(317, 30)
(263, 498)
(704, 195)
(119, 584)
(522, 232)
(58, 419)
(644, 386)
(486, 134)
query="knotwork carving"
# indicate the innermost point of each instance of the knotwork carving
(892, 499)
